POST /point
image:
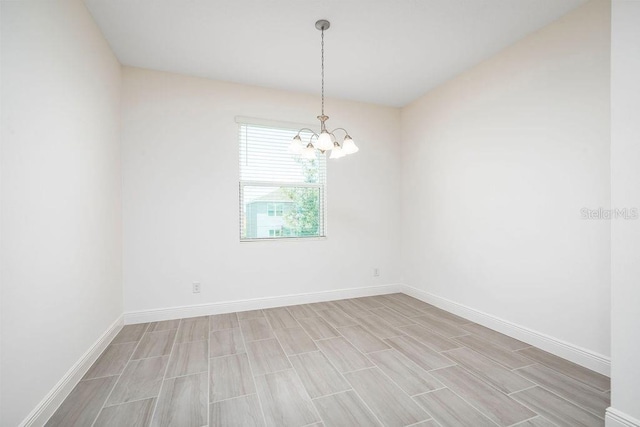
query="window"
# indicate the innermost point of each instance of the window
(275, 209)
(282, 195)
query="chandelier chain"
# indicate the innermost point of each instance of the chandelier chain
(322, 67)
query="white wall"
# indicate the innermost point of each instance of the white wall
(180, 196)
(61, 196)
(497, 164)
(625, 193)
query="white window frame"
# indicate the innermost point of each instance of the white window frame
(240, 120)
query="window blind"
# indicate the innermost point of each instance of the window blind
(282, 195)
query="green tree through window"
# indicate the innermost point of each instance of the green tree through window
(304, 218)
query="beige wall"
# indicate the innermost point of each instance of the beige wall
(497, 165)
(180, 196)
(61, 213)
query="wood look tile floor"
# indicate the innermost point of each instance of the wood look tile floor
(387, 360)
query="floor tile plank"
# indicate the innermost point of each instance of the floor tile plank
(188, 358)
(351, 307)
(317, 374)
(324, 305)
(182, 402)
(267, 356)
(446, 329)
(295, 341)
(164, 325)
(83, 404)
(337, 318)
(229, 377)
(130, 333)
(438, 313)
(429, 338)
(362, 339)
(537, 422)
(509, 359)
(154, 344)
(579, 393)
(225, 342)
(495, 405)
(250, 314)
(489, 371)
(256, 329)
(407, 375)
(112, 361)
(132, 414)
(449, 410)
(218, 322)
(368, 302)
(318, 328)
(568, 368)
(556, 409)
(428, 423)
(400, 307)
(302, 311)
(419, 353)
(141, 379)
(392, 317)
(378, 327)
(284, 401)
(241, 411)
(280, 318)
(345, 409)
(385, 399)
(495, 337)
(410, 301)
(344, 356)
(193, 329)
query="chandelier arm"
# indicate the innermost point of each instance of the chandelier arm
(342, 129)
(307, 129)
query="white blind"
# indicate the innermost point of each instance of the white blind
(281, 194)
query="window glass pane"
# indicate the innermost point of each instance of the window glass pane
(297, 212)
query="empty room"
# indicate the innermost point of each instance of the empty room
(320, 213)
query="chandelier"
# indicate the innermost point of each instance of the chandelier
(326, 140)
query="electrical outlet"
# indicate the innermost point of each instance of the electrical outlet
(196, 287)
(376, 272)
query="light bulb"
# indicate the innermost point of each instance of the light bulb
(348, 146)
(325, 142)
(296, 145)
(309, 153)
(336, 152)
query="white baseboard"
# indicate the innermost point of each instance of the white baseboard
(46, 408)
(581, 356)
(615, 418)
(182, 312)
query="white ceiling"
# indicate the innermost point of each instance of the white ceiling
(386, 52)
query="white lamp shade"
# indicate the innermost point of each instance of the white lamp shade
(296, 145)
(309, 153)
(348, 146)
(336, 152)
(325, 142)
